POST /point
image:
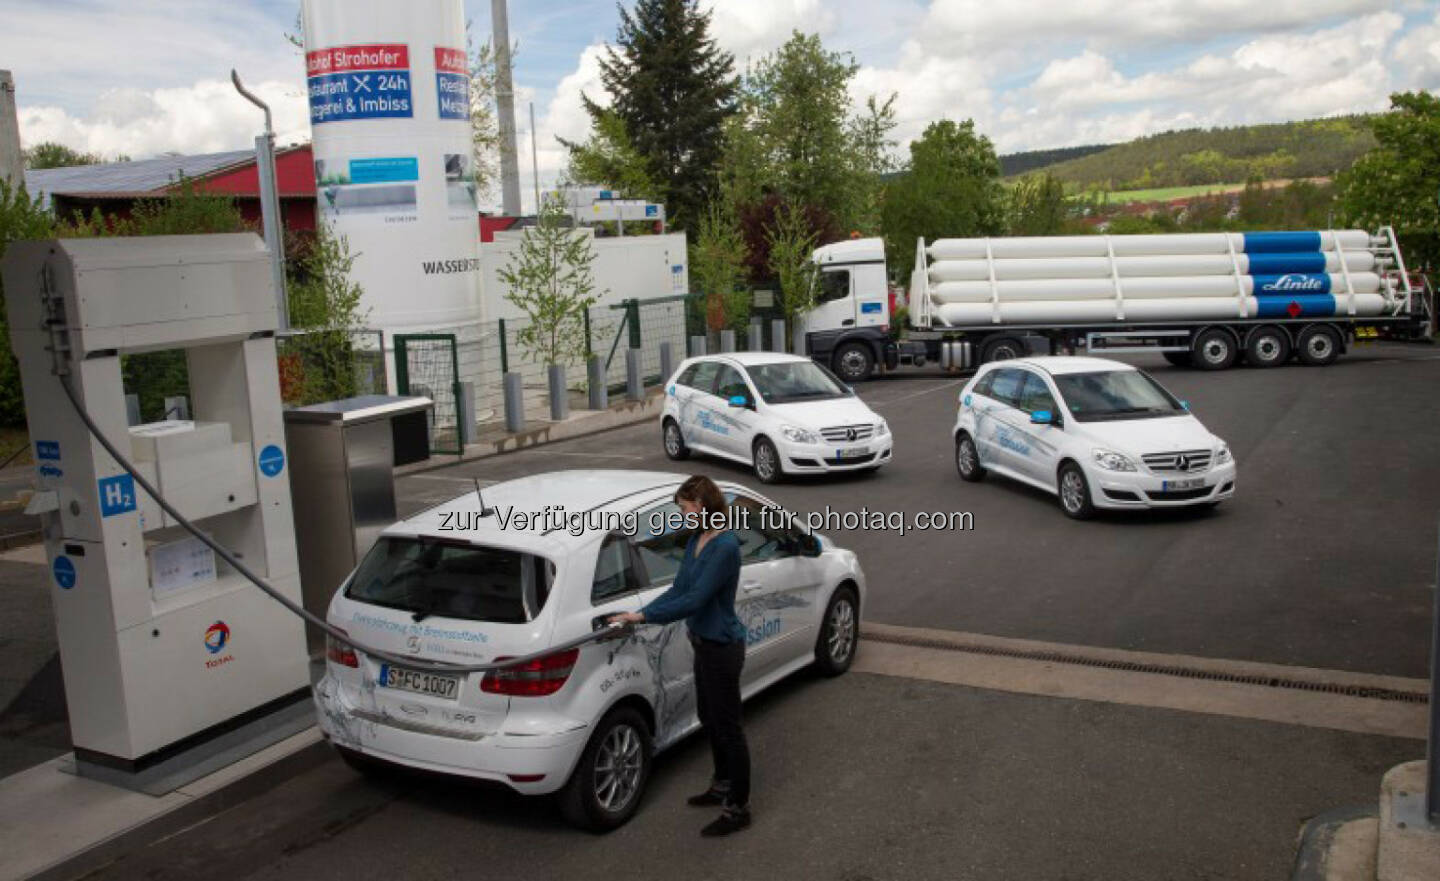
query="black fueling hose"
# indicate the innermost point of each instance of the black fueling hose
(608, 632)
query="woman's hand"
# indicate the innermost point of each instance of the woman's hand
(627, 618)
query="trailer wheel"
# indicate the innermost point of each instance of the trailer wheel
(853, 362)
(1179, 359)
(1268, 346)
(1318, 346)
(1002, 348)
(1214, 349)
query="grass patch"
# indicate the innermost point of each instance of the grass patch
(1165, 194)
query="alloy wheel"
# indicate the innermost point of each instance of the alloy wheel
(618, 764)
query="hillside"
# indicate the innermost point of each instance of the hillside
(1307, 149)
(1033, 160)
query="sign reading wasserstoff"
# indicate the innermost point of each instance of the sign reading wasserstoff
(359, 82)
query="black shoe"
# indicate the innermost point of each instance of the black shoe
(730, 821)
(707, 799)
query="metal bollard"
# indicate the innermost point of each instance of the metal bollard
(777, 334)
(799, 342)
(132, 409)
(727, 340)
(559, 395)
(634, 386)
(755, 342)
(667, 362)
(697, 346)
(465, 411)
(599, 390)
(177, 407)
(514, 403)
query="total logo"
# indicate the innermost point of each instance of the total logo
(217, 636)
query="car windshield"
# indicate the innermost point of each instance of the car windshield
(453, 579)
(1115, 394)
(786, 381)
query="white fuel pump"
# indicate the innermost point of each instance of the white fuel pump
(163, 644)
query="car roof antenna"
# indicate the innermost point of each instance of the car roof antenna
(484, 511)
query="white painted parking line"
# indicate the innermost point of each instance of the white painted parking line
(1102, 675)
(449, 477)
(927, 391)
(542, 450)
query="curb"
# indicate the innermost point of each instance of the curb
(1317, 836)
(262, 780)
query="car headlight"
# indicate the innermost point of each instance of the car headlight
(881, 428)
(799, 435)
(1111, 460)
(1222, 456)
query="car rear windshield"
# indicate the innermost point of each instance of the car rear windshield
(452, 579)
(787, 381)
(1115, 394)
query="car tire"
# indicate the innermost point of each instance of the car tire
(673, 441)
(1005, 348)
(1268, 346)
(623, 738)
(1214, 349)
(765, 459)
(1074, 492)
(1179, 359)
(373, 769)
(839, 633)
(1318, 346)
(854, 362)
(967, 459)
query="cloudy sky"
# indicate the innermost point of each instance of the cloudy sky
(142, 77)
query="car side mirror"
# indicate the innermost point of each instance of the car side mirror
(810, 546)
(739, 401)
(1185, 405)
(1043, 417)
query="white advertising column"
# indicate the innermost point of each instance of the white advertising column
(390, 121)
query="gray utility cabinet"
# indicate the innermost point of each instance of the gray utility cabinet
(342, 460)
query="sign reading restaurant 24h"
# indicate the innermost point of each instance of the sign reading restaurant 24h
(359, 82)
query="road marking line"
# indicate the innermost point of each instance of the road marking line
(1314, 709)
(918, 394)
(447, 477)
(584, 455)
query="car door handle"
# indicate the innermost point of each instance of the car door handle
(847, 322)
(750, 586)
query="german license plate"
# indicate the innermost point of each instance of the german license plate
(1191, 483)
(852, 453)
(433, 684)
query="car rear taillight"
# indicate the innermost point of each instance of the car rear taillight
(340, 652)
(536, 678)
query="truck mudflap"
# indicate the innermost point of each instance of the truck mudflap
(892, 355)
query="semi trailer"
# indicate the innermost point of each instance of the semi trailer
(1208, 300)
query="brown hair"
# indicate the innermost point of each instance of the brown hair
(703, 490)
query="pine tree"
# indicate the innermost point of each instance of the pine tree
(673, 88)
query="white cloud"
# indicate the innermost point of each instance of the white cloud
(206, 117)
(751, 28)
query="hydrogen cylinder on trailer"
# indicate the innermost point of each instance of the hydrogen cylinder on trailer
(388, 86)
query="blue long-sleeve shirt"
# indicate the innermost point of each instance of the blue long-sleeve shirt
(704, 591)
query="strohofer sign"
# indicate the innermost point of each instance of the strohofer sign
(389, 93)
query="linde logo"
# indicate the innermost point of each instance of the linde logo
(1294, 283)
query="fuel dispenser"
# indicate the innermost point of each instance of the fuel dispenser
(165, 648)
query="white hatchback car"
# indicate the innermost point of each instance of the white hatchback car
(780, 414)
(1097, 433)
(547, 565)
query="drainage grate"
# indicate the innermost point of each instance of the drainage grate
(1365, 691)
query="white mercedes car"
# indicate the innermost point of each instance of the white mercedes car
(780, 414)
(1097, 433)
(545, 562)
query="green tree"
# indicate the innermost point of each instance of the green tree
(791, 242)
(484, 121)
(673, 88)
(1398, 183)
(609, 159)
(550, 280)
(52, 155)
(951, 188)
(873, 156)
(1036, 206)
(717, 266)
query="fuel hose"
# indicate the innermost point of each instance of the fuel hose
(608, 632)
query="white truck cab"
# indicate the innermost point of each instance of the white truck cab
(849, 327)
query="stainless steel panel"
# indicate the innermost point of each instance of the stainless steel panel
(359, 409)
(368, 454)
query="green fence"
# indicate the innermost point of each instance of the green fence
(428, 364)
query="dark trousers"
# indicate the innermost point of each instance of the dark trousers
(717, 699)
